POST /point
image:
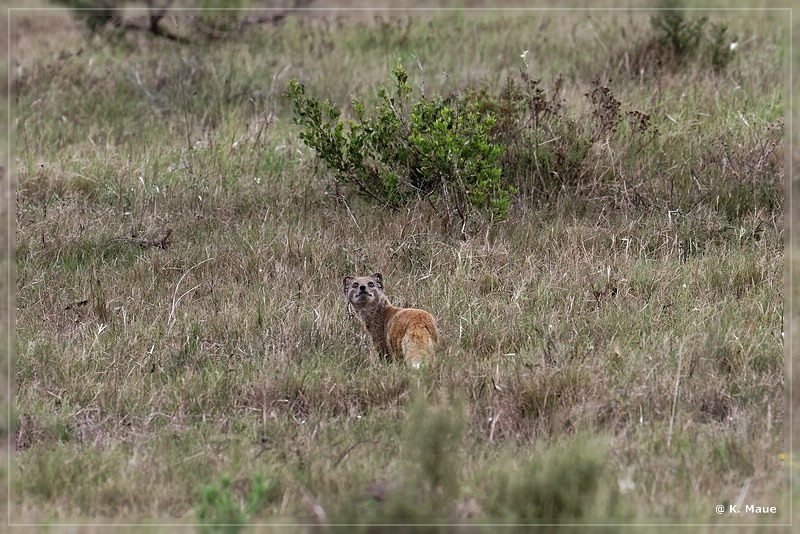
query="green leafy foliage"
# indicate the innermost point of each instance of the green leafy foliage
(432, 148)
(223, 511)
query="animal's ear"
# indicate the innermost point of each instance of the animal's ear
(347, 280)
(378, 277)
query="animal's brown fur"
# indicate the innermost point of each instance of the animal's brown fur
(406, 333)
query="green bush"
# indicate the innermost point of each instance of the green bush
(562, 483)
(471, 152)
(406, 150)
(680, 35)
(682, 38)
(432, 461)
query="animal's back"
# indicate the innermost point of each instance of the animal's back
(412, 333)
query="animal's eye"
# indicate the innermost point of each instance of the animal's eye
(371, 284)
(355, 284)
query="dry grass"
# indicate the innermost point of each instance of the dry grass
(184, 352)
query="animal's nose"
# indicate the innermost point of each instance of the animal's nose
(363, 288)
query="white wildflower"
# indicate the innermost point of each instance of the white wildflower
(626, 484)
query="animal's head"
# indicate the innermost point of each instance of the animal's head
(362, 290)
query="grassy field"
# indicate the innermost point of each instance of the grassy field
(612, 352)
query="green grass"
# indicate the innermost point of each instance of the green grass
(184, 353)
